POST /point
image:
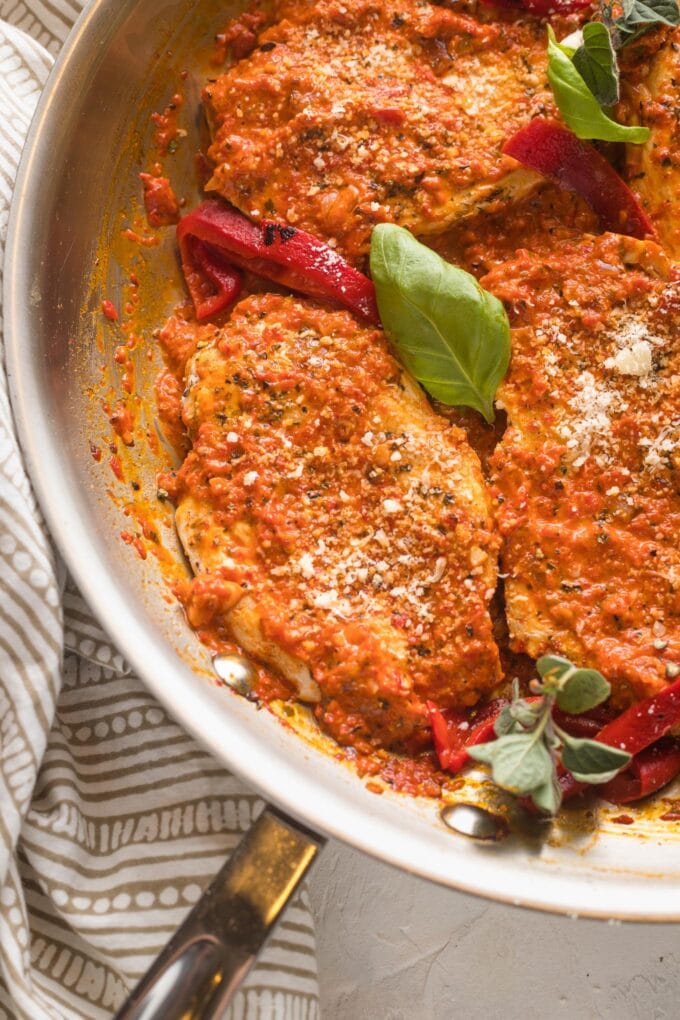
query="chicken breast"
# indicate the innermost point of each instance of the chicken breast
(336, 525)
(650, 98)
(586, 478)
(350, 114)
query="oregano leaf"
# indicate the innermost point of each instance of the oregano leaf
(548, 797)
(589, 761)
(524, 713)
(554, 666)
(582, 690)
(519, 762)
(505, 723)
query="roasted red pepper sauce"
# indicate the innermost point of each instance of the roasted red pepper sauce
(520, 475)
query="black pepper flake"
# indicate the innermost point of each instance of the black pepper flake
(272, 229)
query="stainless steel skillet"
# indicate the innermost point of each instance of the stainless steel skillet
(79, 170)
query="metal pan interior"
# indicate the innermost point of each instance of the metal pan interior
(79, 170)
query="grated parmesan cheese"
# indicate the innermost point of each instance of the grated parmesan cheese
(592, 403)
(633, 360)
(661, 447)
(306, 565)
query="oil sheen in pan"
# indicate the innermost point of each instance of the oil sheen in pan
(475, 822)
(235, 671)
(469, 820)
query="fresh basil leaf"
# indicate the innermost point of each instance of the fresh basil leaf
(581, 691)
(554, 667)
(589, 761)
(577, 104)
(519, 762)
(649, 12)
(566, 45)
(450, 333)
(548, 797)
(595, 61)
(641, 15)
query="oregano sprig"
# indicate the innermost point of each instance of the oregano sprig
(530, 744)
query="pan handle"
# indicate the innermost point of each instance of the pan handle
(198, 972)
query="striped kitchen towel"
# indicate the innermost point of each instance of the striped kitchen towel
(111, 818)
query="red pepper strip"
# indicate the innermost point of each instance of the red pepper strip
(281, 253)
(213, 283)
(588, 724)
(453, 732)
(649, 771)
(552, 150)
(541, 8)
(636, 729)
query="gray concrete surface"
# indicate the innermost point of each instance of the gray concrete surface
(394, 947)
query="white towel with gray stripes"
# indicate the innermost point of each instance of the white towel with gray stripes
(100, 855)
